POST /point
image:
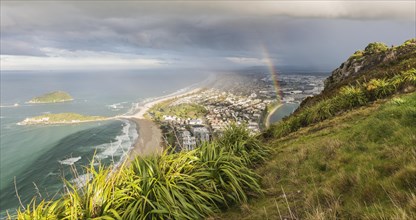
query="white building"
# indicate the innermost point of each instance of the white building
(188, 142)
(201, 134)
(195, 121)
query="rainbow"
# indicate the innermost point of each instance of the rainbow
(273, 73)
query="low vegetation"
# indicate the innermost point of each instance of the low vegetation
(61, 118)
(52, 97)
(375, 47)
(184, 110)
(186, 185)
(347, 98)
(357, 54)
(409, 42)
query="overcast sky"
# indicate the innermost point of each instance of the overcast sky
(316, 35)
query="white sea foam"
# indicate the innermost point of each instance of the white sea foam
(52, 174)
(9, 106)
(117, 106)
(120, 146)
(69, 161)
(81, 180)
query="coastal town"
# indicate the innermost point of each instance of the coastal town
(236, 98)
(200, 115)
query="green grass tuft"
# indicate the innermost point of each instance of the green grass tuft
(186, 185)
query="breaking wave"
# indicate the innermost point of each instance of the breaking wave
(117, 106)
(69, 161)
(120, 146)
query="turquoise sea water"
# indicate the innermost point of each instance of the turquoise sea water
(39, 156)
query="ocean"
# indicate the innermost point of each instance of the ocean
(34, 159)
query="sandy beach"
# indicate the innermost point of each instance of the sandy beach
(271, 113)
(149, 141)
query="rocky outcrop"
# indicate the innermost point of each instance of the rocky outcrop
(376, 61)
(370, 58)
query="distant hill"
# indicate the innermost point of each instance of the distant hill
(52, 97)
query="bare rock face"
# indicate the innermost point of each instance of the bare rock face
(375, 54)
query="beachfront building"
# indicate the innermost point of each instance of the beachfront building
(201, 134)
(253, 127)
(196, 121)
(188, 142)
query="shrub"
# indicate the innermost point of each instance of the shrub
(379, 88)
(225, 174)
(322, 110)
(350, 97)
(397, 81)
(409, 76)
(162, 188)
(357, 54)
(375, 47)
(287, 126)
(239, 141)
(409, 42)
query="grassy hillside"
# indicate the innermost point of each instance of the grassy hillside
(52, 97)
(361, 164)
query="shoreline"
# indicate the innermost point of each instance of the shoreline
(149, 140)
(143, 109)
(60, 101)
(274, 109)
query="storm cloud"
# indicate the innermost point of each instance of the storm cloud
(215, 35)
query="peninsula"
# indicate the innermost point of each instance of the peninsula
(61, 118)
(52, 97)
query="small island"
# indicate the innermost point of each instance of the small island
(61, 118)
(52, 97)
